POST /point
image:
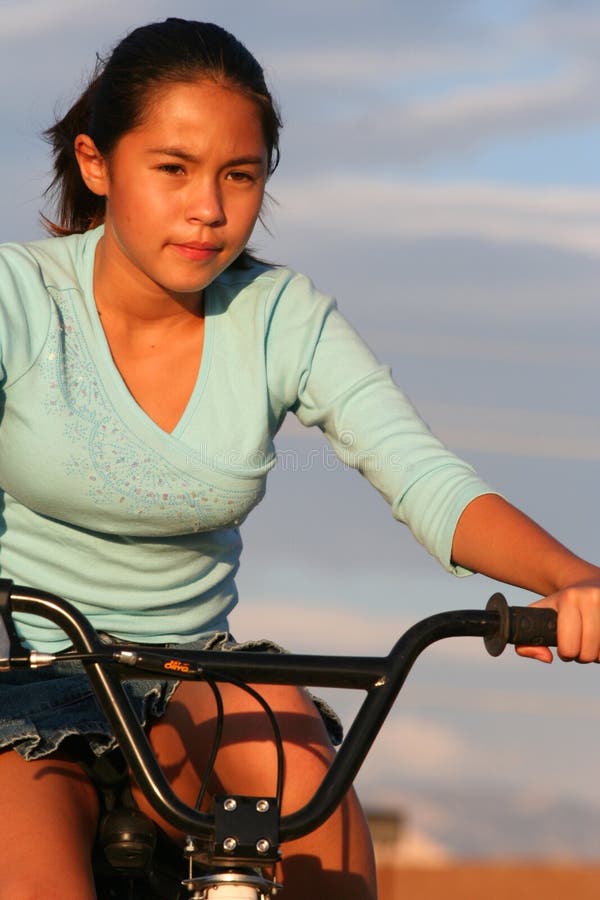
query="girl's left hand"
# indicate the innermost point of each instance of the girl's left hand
(578, 608)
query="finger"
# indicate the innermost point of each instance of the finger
(542, 654)
(569, 632)
(569, 628)
(590, 637)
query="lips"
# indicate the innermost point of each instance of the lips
(197, 250)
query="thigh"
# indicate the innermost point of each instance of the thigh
(247, 759)
(336, 860)
(48, 811)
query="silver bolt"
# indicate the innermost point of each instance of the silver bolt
(263, 845)
(262, 806)
(230, 804)
(229, 844)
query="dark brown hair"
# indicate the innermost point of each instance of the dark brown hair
(118, 94)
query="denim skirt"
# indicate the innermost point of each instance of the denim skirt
(40, 708)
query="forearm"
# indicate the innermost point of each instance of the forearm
(496, 539)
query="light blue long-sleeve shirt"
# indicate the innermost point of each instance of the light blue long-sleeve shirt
(139, 527)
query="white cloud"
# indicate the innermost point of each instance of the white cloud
(571, 29)
(378, 102)
(361, 67)
(425, 748)
(318, 627)
(566, 219)
(498, 701)
(29, 19)
(485, 348)
(523, 432)
(326, 625)
(479, 111)
(457, 121)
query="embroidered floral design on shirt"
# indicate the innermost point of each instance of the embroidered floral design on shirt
(117, 467)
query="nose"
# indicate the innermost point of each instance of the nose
(205, 204)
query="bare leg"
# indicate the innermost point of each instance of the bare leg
(333, 863)
(48, 816)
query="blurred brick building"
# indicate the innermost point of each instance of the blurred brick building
(411, 866)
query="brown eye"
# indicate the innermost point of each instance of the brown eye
(172, 169)
(241, 177)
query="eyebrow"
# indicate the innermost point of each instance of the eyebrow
(178, 153)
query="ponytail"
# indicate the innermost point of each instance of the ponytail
(77, 208)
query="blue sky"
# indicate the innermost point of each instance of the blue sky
(439, 175)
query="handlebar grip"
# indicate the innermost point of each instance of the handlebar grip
(524, 625)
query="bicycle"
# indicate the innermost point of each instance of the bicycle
(230, 853)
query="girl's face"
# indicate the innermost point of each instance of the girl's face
(184, 189)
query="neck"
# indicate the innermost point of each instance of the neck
(119, 290)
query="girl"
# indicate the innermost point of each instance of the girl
(148, 362)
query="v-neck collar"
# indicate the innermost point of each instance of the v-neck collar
(107, 370)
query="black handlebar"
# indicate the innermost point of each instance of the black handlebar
(381, 677)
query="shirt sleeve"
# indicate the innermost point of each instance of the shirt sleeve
(331, 379)
(24, 312)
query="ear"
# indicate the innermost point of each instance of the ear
(92, 165)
